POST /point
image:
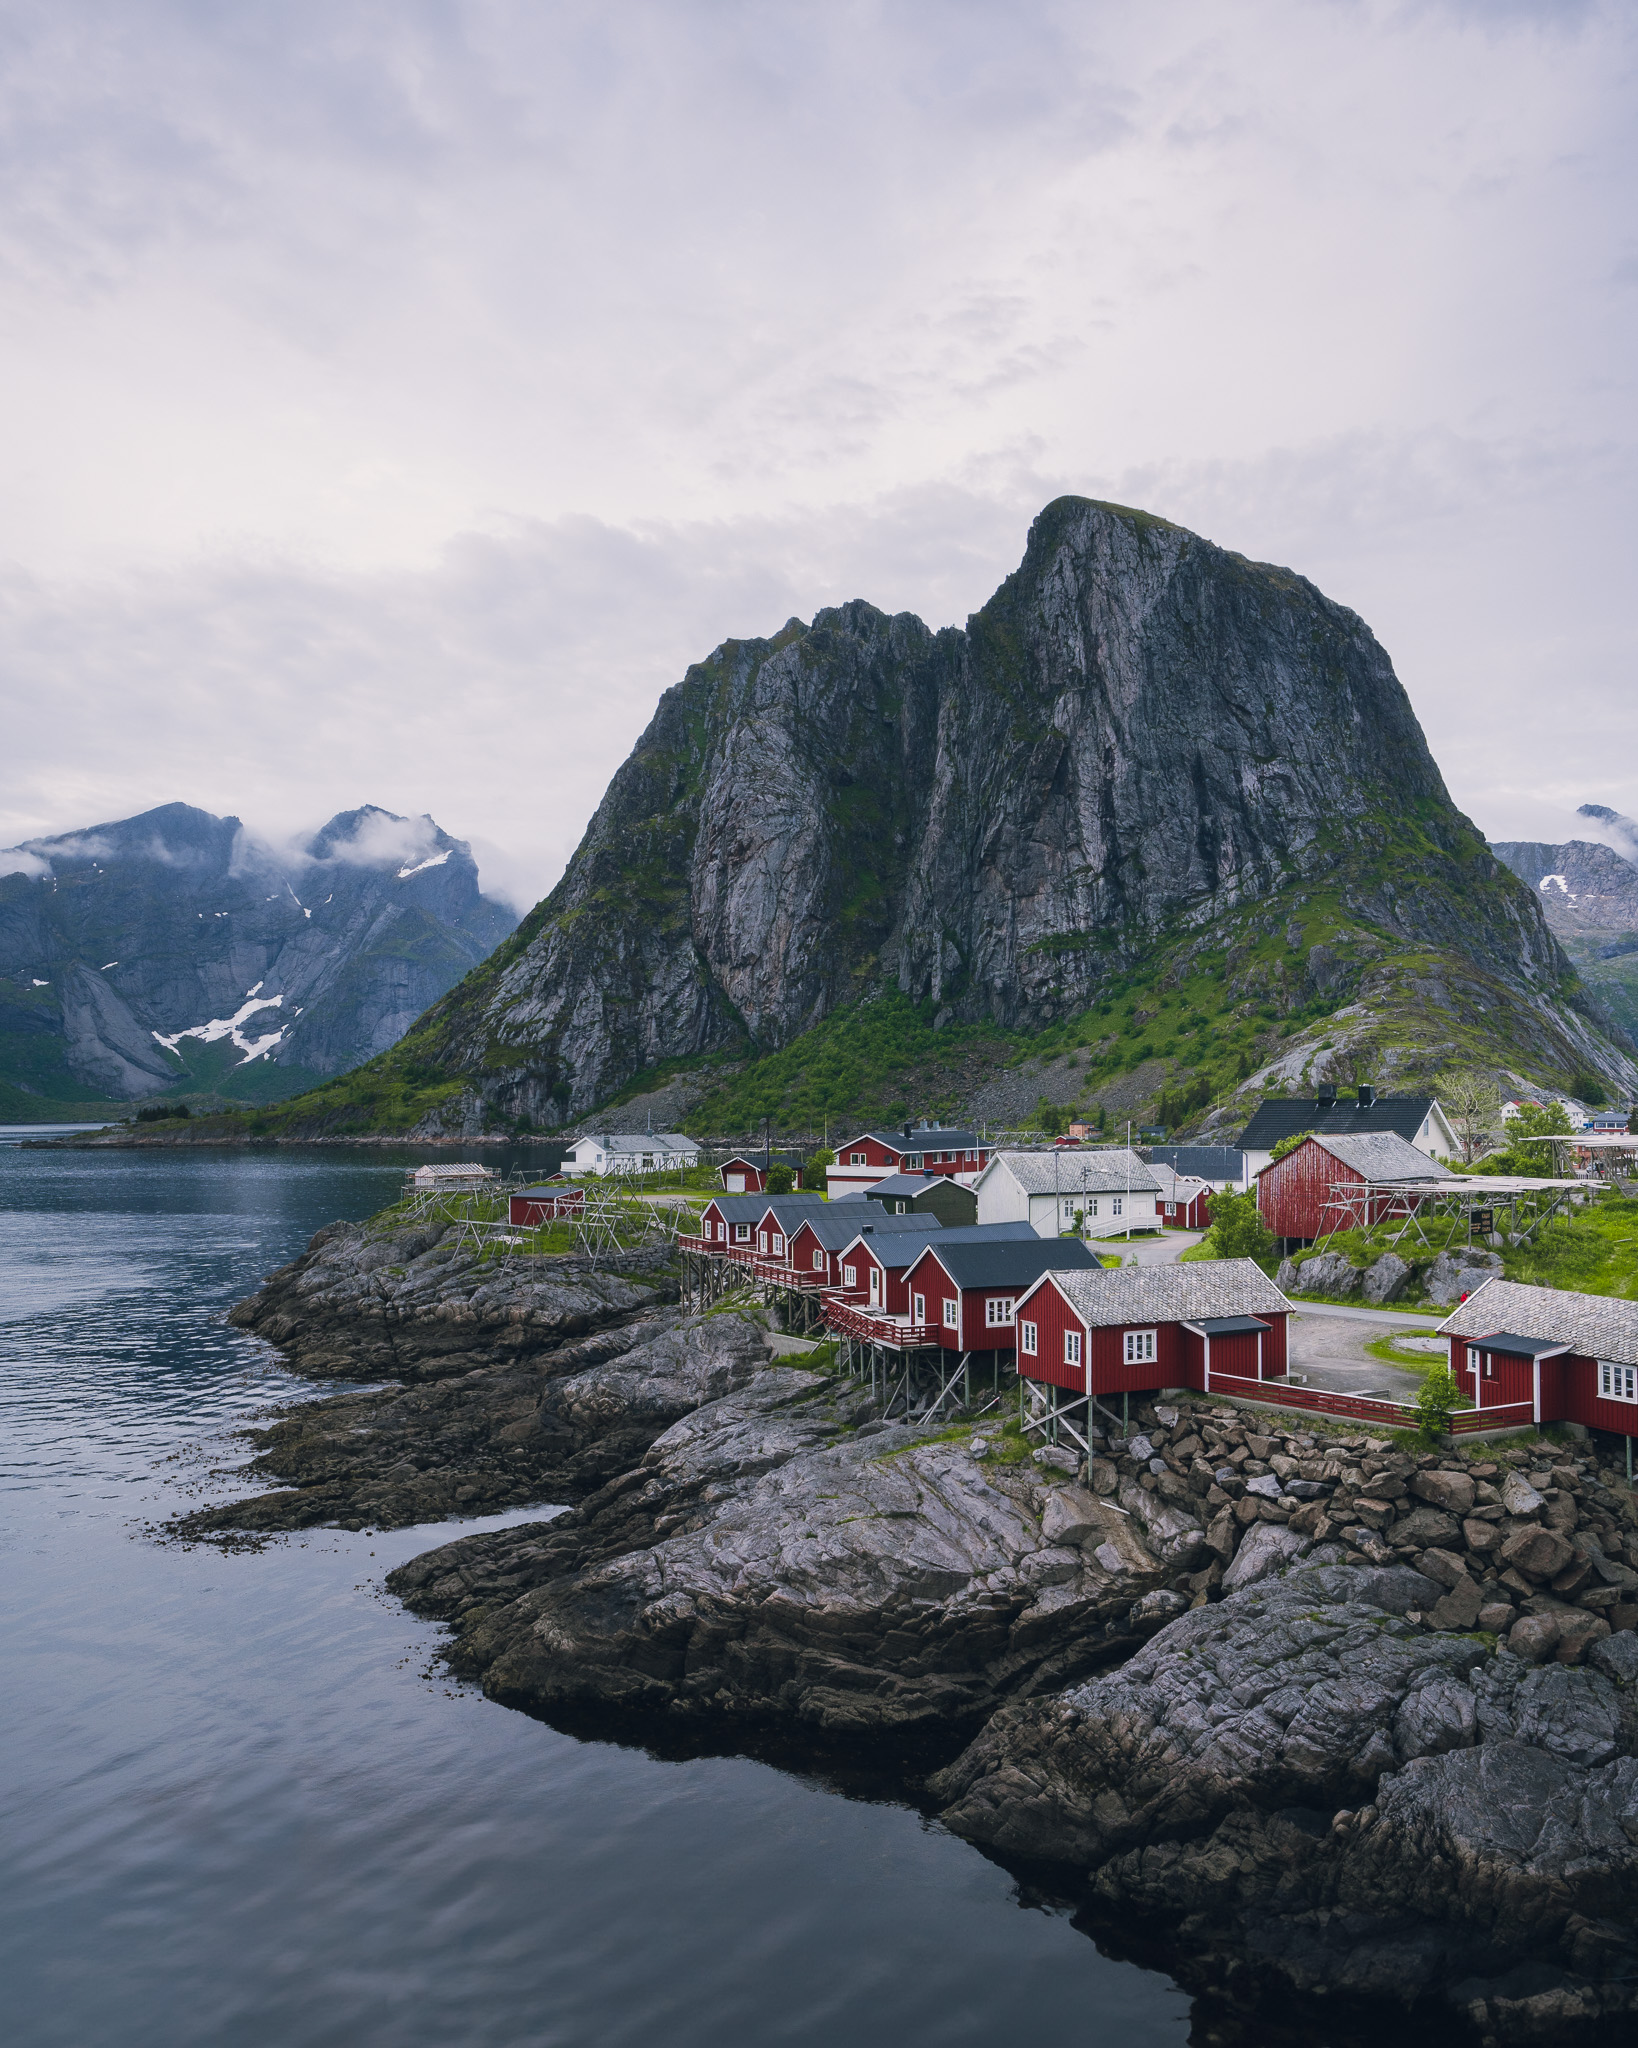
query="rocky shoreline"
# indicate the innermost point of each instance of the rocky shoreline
(1326, 1715)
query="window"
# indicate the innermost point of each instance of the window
(742, 1233)
(950, 1312)
(918, 1308)
(998, 1311)
(1171, 1208)
(899, 1208)
(1140, 1347)
(818, 1262)
(762, 1240)
(1069, 1211)
(1117, 1205)
(1617, 1382)
(1026, 1339)
(855, 1159)
(778, 1244)
(850, 1276)
(912, 1159)
(1092, 1206)
(1072, 1347)
(648, 1162)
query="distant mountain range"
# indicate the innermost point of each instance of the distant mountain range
(1589, 892)
(172, 953)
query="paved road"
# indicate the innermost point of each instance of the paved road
(1327, 1346)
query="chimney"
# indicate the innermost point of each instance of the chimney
(1367, 1095)
(1327, 1095)
(907, 1132)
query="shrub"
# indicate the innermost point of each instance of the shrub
(813, 1173)
(780, 1180)
(1288, 1145)
(1438, 1401)
(1237, 1231)
(1589, 1089)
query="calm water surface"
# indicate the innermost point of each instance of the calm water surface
(238, 1804)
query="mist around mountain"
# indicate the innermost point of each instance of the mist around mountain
(174, 954)
(1157, 831)
(1588, 891)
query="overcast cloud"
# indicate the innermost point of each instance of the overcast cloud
(397, 397)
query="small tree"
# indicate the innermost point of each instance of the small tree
(1589, 1089)
(1632, 1119)
(1531, 1133)
(1237, 1231)
(813, 1172)
(1288, 1145)
(1473, 1102)
(781, 1179)
(1438, 1401)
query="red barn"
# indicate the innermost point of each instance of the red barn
(543, 1204)
(966, 1289)
(1298, 1196)
(1220, 1323)
(1539, 1355)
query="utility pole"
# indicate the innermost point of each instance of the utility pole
(1128, 1180)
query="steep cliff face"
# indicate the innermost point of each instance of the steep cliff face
(171, 951)
(1138, 735)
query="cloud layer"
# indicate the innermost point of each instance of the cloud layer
(398, 399)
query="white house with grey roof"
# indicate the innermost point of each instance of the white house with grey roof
(1097, 1193)
(639, 1152)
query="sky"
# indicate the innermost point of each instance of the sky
(398, 395)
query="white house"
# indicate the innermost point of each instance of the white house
(1104, 1193)
(651, 1152)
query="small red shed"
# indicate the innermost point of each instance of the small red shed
(1213, 1324)
(1540, 1355)
(1327, 1184)
(1181, 1203)
(966, 1286)
(543, 1204)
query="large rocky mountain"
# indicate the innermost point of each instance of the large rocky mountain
(1589, 893)
(1142, 747)
(171, 952)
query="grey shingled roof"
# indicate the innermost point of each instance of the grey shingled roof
(1060, 1172)
(1172, 1294)
(1169, 1180)
(1596, 1325)
(1383, 1155)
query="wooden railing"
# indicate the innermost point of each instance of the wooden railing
(1361, 1408)
(685, 1243)
(876, 1326)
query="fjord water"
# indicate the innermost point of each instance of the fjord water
(240, 1804)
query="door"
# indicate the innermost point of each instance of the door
(736, 1183)
(875, 1287)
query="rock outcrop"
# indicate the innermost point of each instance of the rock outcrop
(418, 1302)
(1305, 1776)
(1139, 734)
(1589, 893)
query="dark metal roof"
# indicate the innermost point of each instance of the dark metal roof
(1402, 1114)
(1205, 1162)
(904, 1248)
(835, 1230)
(747, 1208)
(1010, 1262)
(936, 1138)
(897, 1185)
(1520, 1347)
(1229, 1326)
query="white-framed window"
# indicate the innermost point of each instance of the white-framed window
(1027, 1334)
(1117, 1205)
(762, 1240)
(742, 1233)
(1140, 1347)
(1069, 1210)
(1092, 1206)
(952, 1312)
(1617, 1382)
(648, 1163)
(1171, 1208)
(819, 1262)
(850, 1276)
(997, 1311)
(918, 1308)
(856, 1159)
(1072, 1347)
(913, 1159)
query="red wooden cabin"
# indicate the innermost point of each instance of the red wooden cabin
(1540, 1355)
(1181, 1203)
(933, 1149)
(1221, 1323)
(816, 1241)
(879, 1262)
(966, 1290)
(729, 1221)
(544, 1204)
(1298, 1197)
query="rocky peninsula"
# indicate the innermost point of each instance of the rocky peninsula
(1321, 1714)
